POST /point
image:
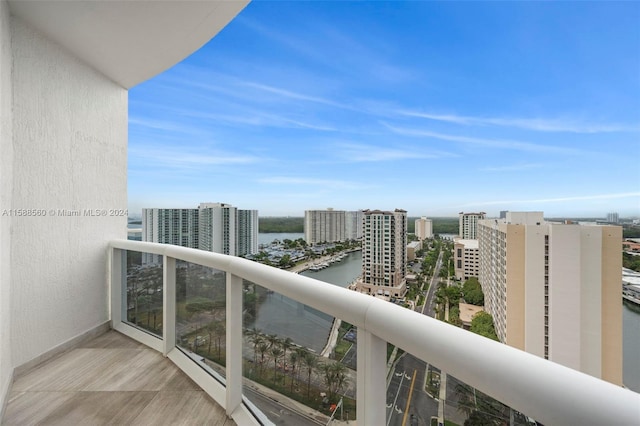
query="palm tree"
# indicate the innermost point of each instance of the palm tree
(286, 344)
(466, 399)
(211, 329)
(219, 330)
(339, 371)
(294, 358)
(262, 348)
(335, 377)
(255, 338)
(273, 339)
(275, 353)
(310, 361)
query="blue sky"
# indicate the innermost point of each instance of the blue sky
(433, 107)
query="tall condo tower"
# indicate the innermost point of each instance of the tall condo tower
(247, 227)
(215, 227)
(468, 224)
(322, 226)
(554, 290)
(423, 228)
(384, 253)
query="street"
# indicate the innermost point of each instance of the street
(409, 378)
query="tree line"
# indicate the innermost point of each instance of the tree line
(441, 225)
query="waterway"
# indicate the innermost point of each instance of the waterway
(268, 238)
(309, 327)
(304, 325)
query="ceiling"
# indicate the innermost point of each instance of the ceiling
(129, 41)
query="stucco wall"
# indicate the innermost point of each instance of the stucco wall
(69, 138)
(565, 309)
(6, 164)
(534, 289)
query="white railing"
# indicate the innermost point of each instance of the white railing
(550, 393)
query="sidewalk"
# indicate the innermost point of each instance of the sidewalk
(288, 403)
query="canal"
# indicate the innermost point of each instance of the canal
(310, 328)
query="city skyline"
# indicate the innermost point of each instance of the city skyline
(302, 106)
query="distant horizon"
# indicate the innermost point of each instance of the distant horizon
(432, 107)
(448, 217)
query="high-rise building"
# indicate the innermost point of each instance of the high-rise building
(423, 228)
(468, 225)
(247, 227)
(322, 226)
(353, 224)
(169, 226)
(503, 214)
(466, 258)
(384, 253)
(217, 230)
(613, 218)
(216, 227)
(554, 290)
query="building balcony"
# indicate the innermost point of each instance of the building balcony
(173, 355)
(65, 68)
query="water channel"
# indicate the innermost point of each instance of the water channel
(309, 327)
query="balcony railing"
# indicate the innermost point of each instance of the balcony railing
(550, 393)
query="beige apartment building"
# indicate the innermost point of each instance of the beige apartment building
(324, 226)
(423, 228)
(466, 258)
(554, 290)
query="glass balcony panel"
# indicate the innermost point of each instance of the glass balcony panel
(143, 291)
(201, 315)
(286, 350)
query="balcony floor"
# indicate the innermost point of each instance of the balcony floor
(110, 380)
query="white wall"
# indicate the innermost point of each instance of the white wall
(565, 309)
(6, 165)
(534, 289)
(591, 300)
(69, 139)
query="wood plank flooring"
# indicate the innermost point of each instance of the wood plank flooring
(111, 380)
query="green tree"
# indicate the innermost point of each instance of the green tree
(482, 324)
(255, 338)
(275, 353)
(310, 362)
(293, 359)
(285, 261)
(335, 377)
(478, 418)
(472, 292)
(263, 347)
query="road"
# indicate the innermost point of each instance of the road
(407, 401)
(408, 378)
(428, 307)
(278, 413)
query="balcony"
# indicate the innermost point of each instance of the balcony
(548, 392)
(120, 381)
(65, 68)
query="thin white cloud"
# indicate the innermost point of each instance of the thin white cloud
(172, 158)
(294, 95)
(494, 143)
(511, 168)
(537, 124)
(252, 117)
(327, 183)
(164, 125)
(370, 153)
(560, 199)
